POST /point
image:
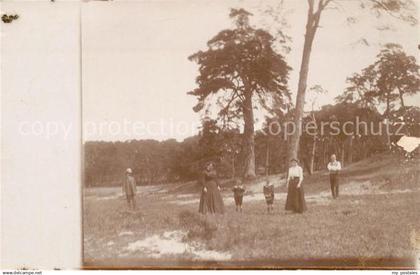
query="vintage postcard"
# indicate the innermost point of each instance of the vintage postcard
(250, 134)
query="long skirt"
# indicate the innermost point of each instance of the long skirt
(295, 197)
(211, 201)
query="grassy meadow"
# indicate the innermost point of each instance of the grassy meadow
(372, 224)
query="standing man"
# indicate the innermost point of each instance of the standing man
(334, 166)
(129, 188)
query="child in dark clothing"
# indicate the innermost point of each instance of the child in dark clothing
(238, 194)
(269, 195)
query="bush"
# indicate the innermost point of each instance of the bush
(197, 226)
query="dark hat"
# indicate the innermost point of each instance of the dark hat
(294, 160)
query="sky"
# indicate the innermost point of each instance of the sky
(136, 72)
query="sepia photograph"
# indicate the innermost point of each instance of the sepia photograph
(250, 134)
(147, 135)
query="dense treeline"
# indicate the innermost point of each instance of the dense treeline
(171, 161)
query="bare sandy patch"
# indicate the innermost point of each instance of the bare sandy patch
(171, 243)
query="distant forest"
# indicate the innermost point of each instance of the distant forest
(170, 161)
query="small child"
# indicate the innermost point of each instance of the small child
(269, 195)
(238, 194)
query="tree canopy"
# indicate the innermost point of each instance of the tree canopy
(241, 68)
(393, 75)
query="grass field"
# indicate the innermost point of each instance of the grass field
(373, 222)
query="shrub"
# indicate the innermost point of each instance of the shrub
(197, 226)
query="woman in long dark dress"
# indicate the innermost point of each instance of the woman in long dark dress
(211, 200)
(295, 196)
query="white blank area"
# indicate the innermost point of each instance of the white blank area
(40, 175)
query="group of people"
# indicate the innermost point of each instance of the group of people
(211, 200)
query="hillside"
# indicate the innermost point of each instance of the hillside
(374, 222)
(383, 171)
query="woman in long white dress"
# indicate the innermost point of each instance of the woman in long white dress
(295, 196)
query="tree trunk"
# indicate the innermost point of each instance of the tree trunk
(312, 159)
(388, 138)
(365, 150)
(313, 149)
(388, 106)
(324, 153)
(267, 159)
(311, 27)
(401, 98)
(350, 150)
(233, 166)
(249, 143)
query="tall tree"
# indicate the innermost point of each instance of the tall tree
(362, 89)
(393, 75)
(242, 70)
(398, 74)
(316, 91)
(396, 8)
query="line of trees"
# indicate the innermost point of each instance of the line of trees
(171, 161)
(403, 10)
(241, 69)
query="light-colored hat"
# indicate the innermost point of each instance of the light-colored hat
(129, 170)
